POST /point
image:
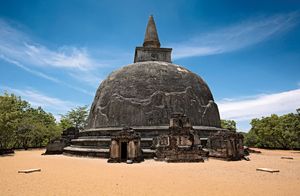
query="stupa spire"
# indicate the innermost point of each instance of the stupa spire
(151, 50)
(151, 37)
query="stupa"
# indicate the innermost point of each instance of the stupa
(143, 96)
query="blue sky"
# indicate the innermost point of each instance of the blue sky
(55, 53)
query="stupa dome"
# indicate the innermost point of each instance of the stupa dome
(148, 91)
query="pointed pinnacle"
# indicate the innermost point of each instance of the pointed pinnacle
(151, 37)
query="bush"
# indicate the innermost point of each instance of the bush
(278, 132)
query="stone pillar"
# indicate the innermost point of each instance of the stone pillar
(114, 150)
(131, 150)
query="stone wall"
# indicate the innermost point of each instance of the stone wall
(226, 145)
(152, 54)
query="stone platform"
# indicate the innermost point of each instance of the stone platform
(96, 142)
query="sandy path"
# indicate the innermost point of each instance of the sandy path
(63, 175)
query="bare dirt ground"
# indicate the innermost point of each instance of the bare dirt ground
(63, 175)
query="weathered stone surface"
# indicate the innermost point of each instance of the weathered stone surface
(181, 144)
(125, 147)
(57, 146)
(143, 54)
(151, 36)
(29, 170)
(270, 170)
(151, 50)
(147, 93)
(226, 145)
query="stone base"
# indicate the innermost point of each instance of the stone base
(128, 161)
(226, 145)
(55, 147)
(179, 155)
(184, 160)
(220, 154)
(86, 151)
(96, 142)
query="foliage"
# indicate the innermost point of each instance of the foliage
(228, 124)
(275, 132)
(77, 118)
(22, 126)
(11, 112)
(65, 123)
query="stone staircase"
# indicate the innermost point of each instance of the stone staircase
(98, 146)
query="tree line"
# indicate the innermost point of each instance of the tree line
(274, 132)
(23, 126)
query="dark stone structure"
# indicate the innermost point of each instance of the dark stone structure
(147, 92)
(181, 144)
(143, 96)
(151, 50)
(226, 145)
(125, 147)
(57, 146)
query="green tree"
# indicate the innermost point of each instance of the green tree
(228, 124)
(250, 139)
(36, 128)
(22, 126)
(77, 118)
(275, 132)
(65, 123)
(24, 132)
(12, 109)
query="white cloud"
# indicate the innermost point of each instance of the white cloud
(87, 77)
(236, 37)
(260, 105)
(20, 49)
(45, 76)
(34, 72)
(35, 98)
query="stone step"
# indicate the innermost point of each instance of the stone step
(147, 150)
(97, 149)
(95, 142)
(85, 149)
(94, 137)
(105, 142)
(92, 151)
(91, 139)
(88, 147)
(150, 139)
(104, 138)
(148, 153)
(86, 152)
